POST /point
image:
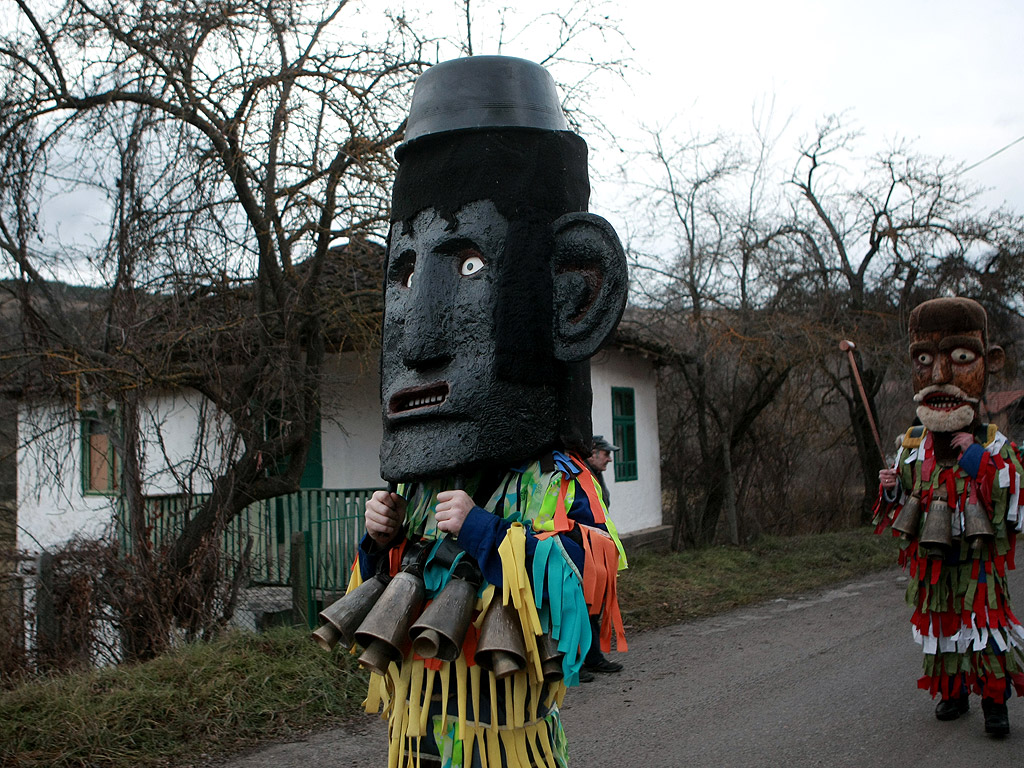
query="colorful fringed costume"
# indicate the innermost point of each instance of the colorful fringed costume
(543, 543)
(962, 614)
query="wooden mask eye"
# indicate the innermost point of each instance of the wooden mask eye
(962, 356)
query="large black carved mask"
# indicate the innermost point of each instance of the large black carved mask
(498, 290)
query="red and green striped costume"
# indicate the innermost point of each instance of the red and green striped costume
(962, 617)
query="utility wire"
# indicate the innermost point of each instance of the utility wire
(998, 151)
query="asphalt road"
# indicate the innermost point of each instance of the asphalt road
(825, 679)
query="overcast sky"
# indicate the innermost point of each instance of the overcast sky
(946, 74)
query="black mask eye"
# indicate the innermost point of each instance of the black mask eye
(402, 269)
(471, 264)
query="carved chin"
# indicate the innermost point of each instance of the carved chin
(946, 421)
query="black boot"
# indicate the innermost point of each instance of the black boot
(997, 721)
(951, 709)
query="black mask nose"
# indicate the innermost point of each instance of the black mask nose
(427, 333)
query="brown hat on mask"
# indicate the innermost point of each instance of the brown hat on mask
(949, 314)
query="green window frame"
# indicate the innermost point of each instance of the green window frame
(101, 466)
(624, 433)
(313, 471)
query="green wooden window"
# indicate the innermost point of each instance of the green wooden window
(101, 466)
(313, 471)
(624, 433)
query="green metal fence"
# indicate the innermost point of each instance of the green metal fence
(332, 520)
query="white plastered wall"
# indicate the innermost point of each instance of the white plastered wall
(51, 506)
(635, 504)
(351, 430)
(182, 441)
(181, 432)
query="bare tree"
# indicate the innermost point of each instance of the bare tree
(711, 282)
(872, 246)
(232, 147)
(254, 141)
(749, 277)
(562, 38)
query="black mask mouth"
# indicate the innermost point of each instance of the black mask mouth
(417, 400)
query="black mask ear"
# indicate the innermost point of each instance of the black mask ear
(590, 283)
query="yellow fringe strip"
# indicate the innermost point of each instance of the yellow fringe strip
(483, 604)
(415, 695)
(374, 695)
(404, 694)
(545, 744)
(517, 587)
(533, 691)
(525, 740)
(356, 579)
(494, 701)
(446, 674)
(428, 689)
(494, 750)
(460, 676)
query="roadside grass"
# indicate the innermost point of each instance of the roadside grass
(658, 590)
(204, 699)
(220, 698)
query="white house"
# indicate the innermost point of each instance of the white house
(626, 413)
(67, 486)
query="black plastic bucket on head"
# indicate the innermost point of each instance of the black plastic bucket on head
(480, 92)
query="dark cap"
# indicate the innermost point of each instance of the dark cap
(480, 93)
(600, 444)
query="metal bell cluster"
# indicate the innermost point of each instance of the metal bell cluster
(441, 630)
(385, 617)
(342, 618)
(377, 614)
(384, 633)
(909, 518)
(937, 532)
(977, 526)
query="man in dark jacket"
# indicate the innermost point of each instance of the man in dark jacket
(595, 661)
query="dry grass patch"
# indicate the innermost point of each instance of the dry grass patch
(659, 590)
(206, 698)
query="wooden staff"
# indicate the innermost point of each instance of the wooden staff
(848, 347)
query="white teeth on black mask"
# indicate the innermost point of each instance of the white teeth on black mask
(423, 398)
(419, 402)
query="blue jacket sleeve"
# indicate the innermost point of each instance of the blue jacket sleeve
(970, 460)
(482, 534)
(370, 554)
